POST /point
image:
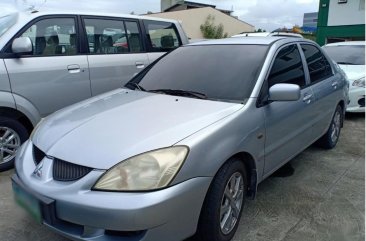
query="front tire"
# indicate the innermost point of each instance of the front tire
(12, 136)
(330, 138)
(224, 203)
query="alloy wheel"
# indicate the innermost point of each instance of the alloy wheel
(231, 203)
(336, 127)
(9, 144)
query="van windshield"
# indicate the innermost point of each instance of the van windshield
(6, 22)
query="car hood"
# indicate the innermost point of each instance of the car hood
(110, 128)
(353, 72)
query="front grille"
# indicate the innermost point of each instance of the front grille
(38, 155)
(66, 171)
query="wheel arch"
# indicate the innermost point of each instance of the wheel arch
(250, 166)
(19, 116)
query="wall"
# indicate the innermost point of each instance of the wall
(192, 19)
(350, 13)
(349, 17)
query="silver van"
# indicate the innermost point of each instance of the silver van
(49, 60)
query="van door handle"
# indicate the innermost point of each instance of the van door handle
(140, 65)
(335, 84)
(73, 68)
(307, 98)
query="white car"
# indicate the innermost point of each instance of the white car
(350, 57)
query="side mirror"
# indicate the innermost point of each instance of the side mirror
(22, 45)
(284, 92)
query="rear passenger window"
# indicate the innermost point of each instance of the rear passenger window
(287, 67)
(112, 37)
(133, 35)
(54, 36)
(162, 36)
(319, 67)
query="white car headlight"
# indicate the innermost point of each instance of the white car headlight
(147, 171)
(359, 82)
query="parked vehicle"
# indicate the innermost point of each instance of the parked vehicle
(350, 57)
(49, 60)
(179, 149)
(268, 34)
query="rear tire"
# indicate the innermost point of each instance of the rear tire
(330, 138)
(12, 135)
(224, 203)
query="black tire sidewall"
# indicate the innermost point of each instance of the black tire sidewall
(20, 130)
(209, 225)
(329, 133)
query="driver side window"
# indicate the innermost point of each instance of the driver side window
(287, 68)
(50, 37)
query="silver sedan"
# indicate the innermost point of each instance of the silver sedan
(178, 150)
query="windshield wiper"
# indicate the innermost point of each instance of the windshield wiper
(135, 86)
(186, 93)
(347, 63)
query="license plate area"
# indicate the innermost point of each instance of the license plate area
(41, 208)
(28, 202)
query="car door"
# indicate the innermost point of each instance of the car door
(55, 74)
(288, 129)
(325, 86)
(116, 52)
(161, 37)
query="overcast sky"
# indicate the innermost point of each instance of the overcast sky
(267, 15)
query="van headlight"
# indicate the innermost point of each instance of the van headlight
(359, 82)
(147, 171)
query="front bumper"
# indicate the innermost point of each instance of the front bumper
(81, 214)
(357, 100)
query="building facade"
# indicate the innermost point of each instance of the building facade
(192, 18)
(341, 20)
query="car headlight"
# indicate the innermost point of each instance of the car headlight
(147, 171)
(359, 82)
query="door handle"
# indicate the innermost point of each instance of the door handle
(73, 68)
(140, 65)
(307, 98)
(335, 84)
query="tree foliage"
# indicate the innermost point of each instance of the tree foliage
(210, 30)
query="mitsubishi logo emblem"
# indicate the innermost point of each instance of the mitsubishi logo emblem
(38, 171)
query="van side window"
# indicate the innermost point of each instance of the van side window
(133, 35)
(319, 67)
(56, 36)
(287, 67)
(162, 36)
(106, 36)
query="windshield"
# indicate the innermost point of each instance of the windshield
(6, 22)
(350, 54)
(219, 72)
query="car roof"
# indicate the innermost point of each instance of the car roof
(248, 41)
(348, 43)
(261, 34)
(89, 13)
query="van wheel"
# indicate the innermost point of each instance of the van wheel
(224, 203)
(12, 135)
(330, 138)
